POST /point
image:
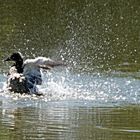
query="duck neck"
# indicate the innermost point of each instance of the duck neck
(19, 66)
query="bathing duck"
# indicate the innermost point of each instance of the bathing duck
(23, 76)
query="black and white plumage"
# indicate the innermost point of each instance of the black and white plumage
(24, 76)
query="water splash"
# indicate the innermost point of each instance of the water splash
(95, 87)
(99, 88)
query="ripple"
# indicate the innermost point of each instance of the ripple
(118, 130)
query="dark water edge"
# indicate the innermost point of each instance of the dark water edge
(89, 35)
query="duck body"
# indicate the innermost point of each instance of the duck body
(23, 77)
(16, 82)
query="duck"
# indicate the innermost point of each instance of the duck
(24, 76)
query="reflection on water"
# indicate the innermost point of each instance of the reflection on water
(61, 120)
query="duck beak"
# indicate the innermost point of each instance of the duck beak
(7, 59)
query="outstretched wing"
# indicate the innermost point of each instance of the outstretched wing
(43, 62)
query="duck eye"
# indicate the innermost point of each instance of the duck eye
(12, 57)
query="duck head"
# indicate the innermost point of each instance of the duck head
(15, 57)
(18, 61)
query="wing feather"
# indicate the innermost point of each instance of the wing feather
(43, 62)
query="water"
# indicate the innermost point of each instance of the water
(97, 96)
(62, 121)
(74, 106)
